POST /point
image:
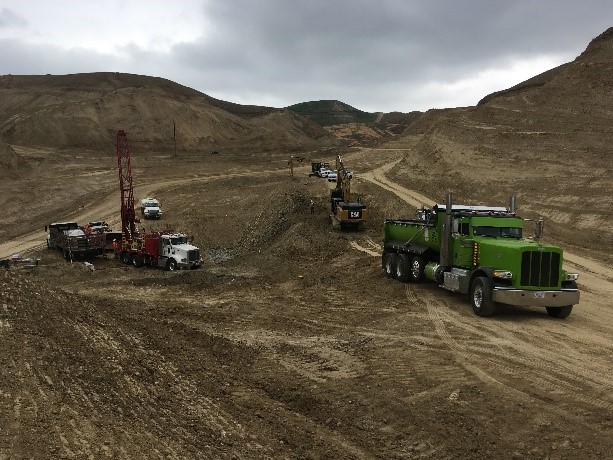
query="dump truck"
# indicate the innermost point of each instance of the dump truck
(480, 251)
(73, 241)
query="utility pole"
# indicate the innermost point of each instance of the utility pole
(174, 135)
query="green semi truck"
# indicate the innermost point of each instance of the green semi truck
(480, 251)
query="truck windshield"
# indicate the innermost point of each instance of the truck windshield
(178, 240)
(498, 232)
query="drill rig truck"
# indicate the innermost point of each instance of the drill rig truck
(165, 249)
(480, 251)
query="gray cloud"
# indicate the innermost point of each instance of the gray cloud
(8, 18)
(385, 55)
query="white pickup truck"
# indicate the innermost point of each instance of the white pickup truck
(150, 208)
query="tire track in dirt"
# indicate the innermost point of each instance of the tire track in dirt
(564, 371)
(517, 364)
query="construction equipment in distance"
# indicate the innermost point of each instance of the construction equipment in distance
(315, 164)
(348, 211)
(165, 249)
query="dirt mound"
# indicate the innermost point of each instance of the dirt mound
(12, 165)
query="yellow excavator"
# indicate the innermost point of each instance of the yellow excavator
(348, 211)
(315, 164)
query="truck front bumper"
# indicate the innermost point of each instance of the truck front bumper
(522, 297)
(189, 265)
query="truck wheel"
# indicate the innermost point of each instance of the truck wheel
(125, 258)
(403, 268)
(559, 312)
(171, 265)
(137, 261)
(417, 269)
(481, 291)
(390, 264)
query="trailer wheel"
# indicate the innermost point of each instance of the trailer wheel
(137, 261)
(125, 258)
(481, 291)
(418, 266)
(403, 268)
(171, 265)
(559, 312)
(390, 264)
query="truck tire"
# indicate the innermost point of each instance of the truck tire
(125, 258)
(390, 264)
(171, 265)
(481, 293)
(403, 268)
(418, 265)
(559, 312)
(137, 261)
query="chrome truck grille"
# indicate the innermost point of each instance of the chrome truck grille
(193, 255)
(540, 269)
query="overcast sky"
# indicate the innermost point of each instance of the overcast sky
(376, 55)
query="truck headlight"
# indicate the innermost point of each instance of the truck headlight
(503, 274)
(572, 276)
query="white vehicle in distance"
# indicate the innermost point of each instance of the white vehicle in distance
(150, 208)
(323, 172)
(332, 176)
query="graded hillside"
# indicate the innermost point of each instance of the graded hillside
(86, 110)
(548, 140)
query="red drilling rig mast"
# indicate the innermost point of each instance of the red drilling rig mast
(128, 214)
(165, 249)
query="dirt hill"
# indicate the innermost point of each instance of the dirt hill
(86, 110)
(354, 125)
